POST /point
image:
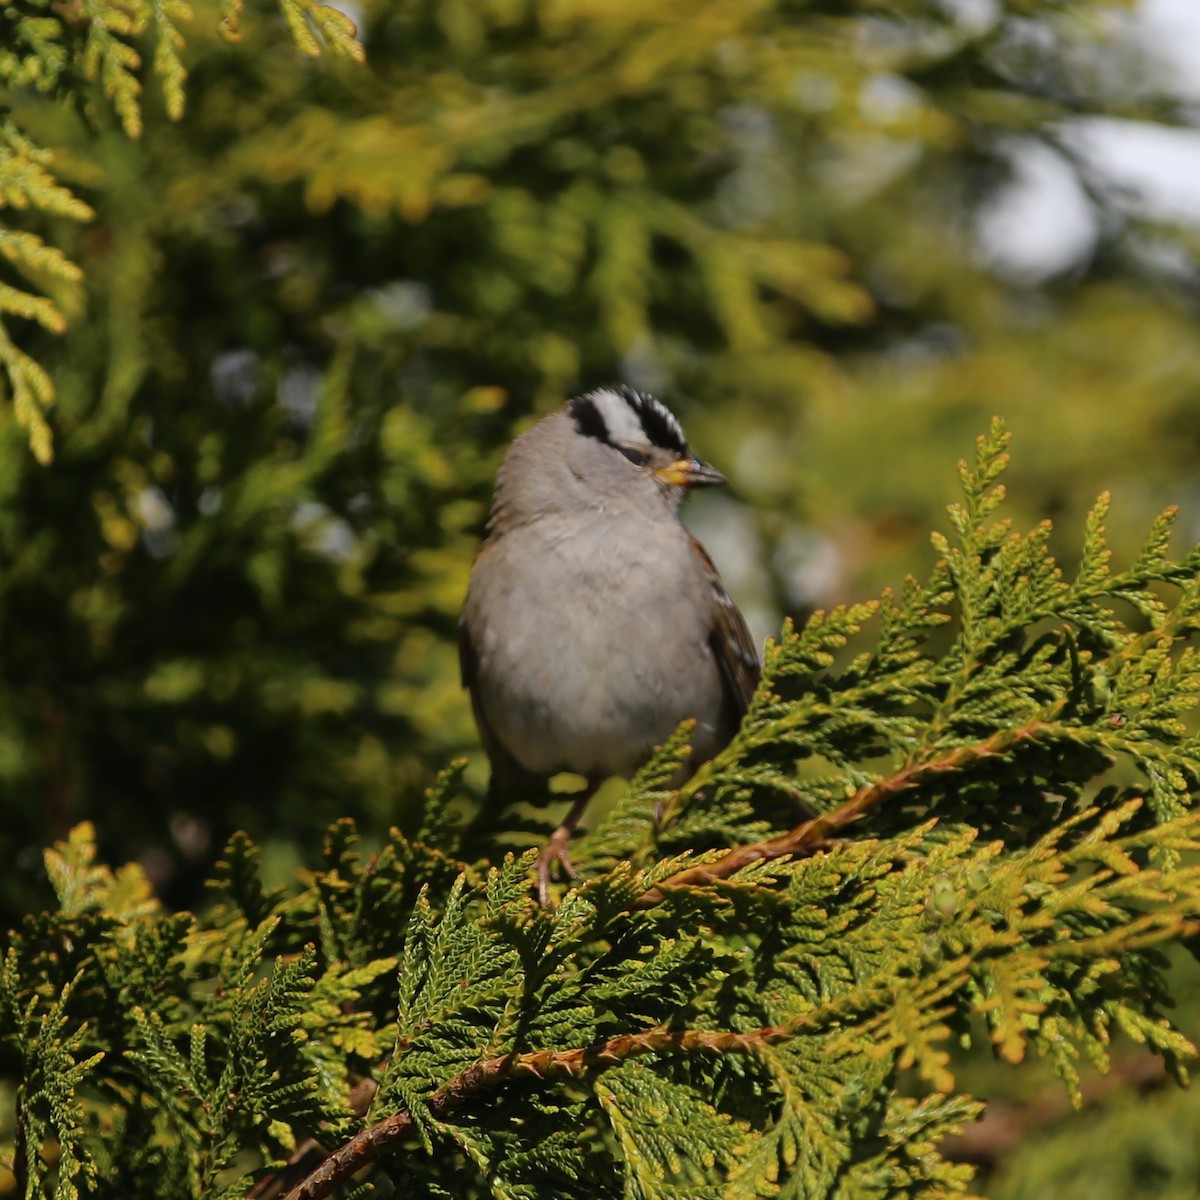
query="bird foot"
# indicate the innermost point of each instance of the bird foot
(554, 852)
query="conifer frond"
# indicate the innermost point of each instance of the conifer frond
(34, 54)
(57, 1068)
(99, 44)
(169, 42)
(674, 1144)
(437, 821)
(26, 183)
(237, 875)
(81, 885)
(628, 829)
(734, 1019)
(335, 29)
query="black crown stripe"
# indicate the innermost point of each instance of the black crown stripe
(659, 425)
(587, 418)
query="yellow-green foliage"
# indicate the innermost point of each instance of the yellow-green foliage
(773, 1015)
(301, 320)
(314, 307)
(93, 46)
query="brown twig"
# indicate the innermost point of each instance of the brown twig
(301, 1163)
(812, 834)
(371, 1143)
(806, 837)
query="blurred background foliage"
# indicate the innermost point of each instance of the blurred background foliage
(315, 309)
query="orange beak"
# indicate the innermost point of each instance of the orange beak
(690, 473)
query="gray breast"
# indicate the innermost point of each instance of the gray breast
(590, 651)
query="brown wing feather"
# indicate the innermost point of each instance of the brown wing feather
(732, 645)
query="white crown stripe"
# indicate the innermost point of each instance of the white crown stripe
(622, 422)
(624, 412)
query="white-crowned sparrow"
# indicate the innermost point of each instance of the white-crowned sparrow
(594, 622)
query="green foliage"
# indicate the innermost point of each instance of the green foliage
(83, 53)
(301, 322)
(312, 311)
(772, 1015)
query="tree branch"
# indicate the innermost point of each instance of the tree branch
(812, 834)
(310, 1151)
(371, 1143)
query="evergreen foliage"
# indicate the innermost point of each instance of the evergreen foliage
(72, 54)
(314, 309)
(279, 341)
(998, 843)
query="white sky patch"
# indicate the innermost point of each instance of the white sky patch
(974, 16)
(1172, 30)
(1159, 167)
(1042, 223)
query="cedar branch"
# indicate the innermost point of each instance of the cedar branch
(371, 1143)
(811, 835)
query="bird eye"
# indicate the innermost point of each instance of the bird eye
(635, 456)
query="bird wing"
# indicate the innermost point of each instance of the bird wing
(731, 643)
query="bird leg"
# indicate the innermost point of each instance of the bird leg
(556, 848)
